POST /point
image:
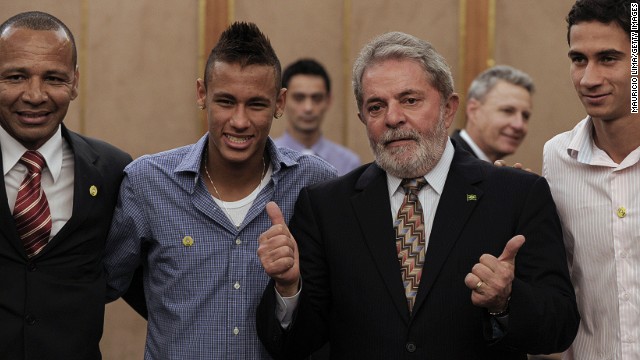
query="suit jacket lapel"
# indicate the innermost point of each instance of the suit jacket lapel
(458, 141)
(86, 177)
(459, 198)
(372, 209)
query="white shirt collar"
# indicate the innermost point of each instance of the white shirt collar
(436, 177)
(580, 146)
(476, 149)
(12, 151)
(583, 148)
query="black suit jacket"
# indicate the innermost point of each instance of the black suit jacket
(462, 143)
(352, 293)
(52, 305)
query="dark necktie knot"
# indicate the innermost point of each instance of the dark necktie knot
(413, 186)
(33, 160)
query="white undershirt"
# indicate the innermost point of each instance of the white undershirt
(236, 211)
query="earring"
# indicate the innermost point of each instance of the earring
(277, 115)
(201, 107)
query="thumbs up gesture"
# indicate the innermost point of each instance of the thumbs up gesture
(278, 253)
(490, 280)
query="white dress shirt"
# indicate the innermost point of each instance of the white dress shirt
(429, 195)
(56, 179)
(598, 202)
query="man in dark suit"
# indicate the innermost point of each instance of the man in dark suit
(499, 106)
(438, 271)
(52, 287)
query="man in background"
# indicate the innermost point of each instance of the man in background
(594, 174)
(498, 109)
(308, 99)
(57, 197)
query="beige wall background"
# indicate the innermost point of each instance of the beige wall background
(139, 61)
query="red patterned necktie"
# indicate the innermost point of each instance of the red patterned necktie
(31, 212)
(410, 238)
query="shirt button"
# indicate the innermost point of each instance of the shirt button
(236, 331)
(622, 212)
(238, 241)
(625, 296)
(236, 285)
(411, 347)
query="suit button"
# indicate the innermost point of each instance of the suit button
(411, 347)
(30, 319)
(32, 266)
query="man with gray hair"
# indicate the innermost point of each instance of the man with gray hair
(405, 258)
(498, 111)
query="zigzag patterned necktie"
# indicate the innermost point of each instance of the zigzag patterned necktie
(410, 237)
(31, 212)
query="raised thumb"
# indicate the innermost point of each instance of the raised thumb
(511, 249)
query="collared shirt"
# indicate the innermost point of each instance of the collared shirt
(599, 205)
(429, 197)
(343, 159)
(472, 144)
(202, 277)
(56, 179)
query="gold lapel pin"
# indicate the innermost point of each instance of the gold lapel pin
(93, 190)
(187, 241)
(472, 197)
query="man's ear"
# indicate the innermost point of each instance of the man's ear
(471, 109)
(201, 93)
(450, 108)
(76, 82)
(281, 101)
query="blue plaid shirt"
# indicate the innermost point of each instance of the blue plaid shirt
(202, 277)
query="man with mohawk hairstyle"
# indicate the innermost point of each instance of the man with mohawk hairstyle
(192, 216)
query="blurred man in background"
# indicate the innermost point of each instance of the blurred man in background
(498, 110)
(308, 99)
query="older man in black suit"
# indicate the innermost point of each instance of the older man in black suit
(421, 254)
